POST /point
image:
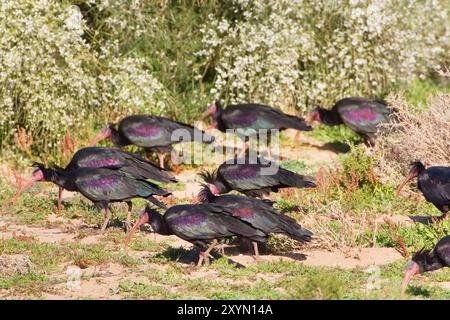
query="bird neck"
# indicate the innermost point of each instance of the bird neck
(431, 262)
(159, 225)
(221, 187)
(219, 107)
(205, 195)
(330, 117)
(117, 139)
(61, 178)
(420, 169)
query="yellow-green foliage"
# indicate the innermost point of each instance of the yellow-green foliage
(52, 79)
(302, 52)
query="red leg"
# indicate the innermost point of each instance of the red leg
(60, 191)
(205, 255)
(106, 221)
(255, 248)
(161, 159)
(128, 221)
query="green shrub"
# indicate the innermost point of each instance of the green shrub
(300, 53)
(54, 80)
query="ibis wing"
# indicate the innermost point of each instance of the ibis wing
(203, 222)
(111, 185)
(243, 177)
(153, 131)
(95, 157)
(248, 118)
(435, 185)
(262, 216)
(144, 131)
(196, 225)
(246, 176)
(443, 250)
(139, 167)
(364, 116)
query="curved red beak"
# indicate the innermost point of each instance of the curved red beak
(143, 218)
(411, 175)
(206, 114)
(209, 112)
(411, 271)
(23, 185)
(102, 135)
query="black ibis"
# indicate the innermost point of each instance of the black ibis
(100, 185)
(200, 224)
(246, 120)
(254, 180)
(152, 133)
(362, 115)
(428, 260)
(434, 183)
(259, 214)
(97, 157)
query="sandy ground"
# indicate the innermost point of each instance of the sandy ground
(101, 282)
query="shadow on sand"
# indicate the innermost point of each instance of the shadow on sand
(336, 147)
(190, 256)
(427, 220)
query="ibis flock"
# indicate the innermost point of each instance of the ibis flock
(106, 175)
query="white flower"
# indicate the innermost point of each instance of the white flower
(73, 21)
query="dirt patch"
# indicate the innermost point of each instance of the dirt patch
(351, 259)
(97, 282)
(396, 219)
(190, 192)
(445, 284)
(8, 231)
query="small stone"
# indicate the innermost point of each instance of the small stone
(15, 264)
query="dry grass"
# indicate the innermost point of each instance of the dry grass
(416, 134)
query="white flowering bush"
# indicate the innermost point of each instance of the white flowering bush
(55, 76)
(305, 52)
(43, 80)
(127, 87)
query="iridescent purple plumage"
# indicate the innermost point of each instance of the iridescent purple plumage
(102, 182)
(244, 119)
(191, 219)
(243, 172)
(364, 115)
(98, 163)
(145, 130)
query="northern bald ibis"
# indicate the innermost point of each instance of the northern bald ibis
(152, 133)
(362, 115)
(428, 260)
(254, 180)
(100, 185)
(434, 183)
(259, 214)
(133, 164)
(247, 119)
(198, 224)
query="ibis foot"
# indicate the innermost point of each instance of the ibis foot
(106, 221)
(258, 258)
(204, 256)
(255, 248)
(128, 219)
(439, 218)
(221, 248)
